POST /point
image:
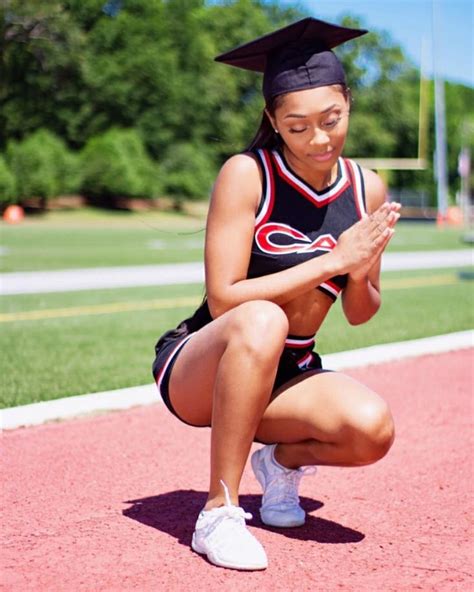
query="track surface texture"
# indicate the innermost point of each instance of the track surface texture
(108, 503)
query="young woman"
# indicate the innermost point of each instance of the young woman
(291, 226)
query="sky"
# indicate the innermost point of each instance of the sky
(409, 22)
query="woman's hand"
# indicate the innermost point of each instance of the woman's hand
(360, 246)
(361, 273)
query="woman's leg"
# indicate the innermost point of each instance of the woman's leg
(224, 376)
(327, 418)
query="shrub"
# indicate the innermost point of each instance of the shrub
(7, 184)
(43, 166)
(117, 164)
(188, 171)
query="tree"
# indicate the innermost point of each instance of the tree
(7, 184)
(82, 67)
(116, 164)
(42, 166)
(41, 47)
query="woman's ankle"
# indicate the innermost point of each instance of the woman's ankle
(217, 501)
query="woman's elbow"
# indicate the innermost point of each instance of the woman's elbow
(217, 306)
(354, 321)
(360, 317)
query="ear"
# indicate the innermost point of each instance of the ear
(349, 98)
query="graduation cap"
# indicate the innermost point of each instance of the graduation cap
(295, 57)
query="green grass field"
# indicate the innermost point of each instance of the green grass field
(63, 344)
(89, 238)
(92, 238)
(107, 339)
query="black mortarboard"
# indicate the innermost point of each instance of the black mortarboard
(296, 57)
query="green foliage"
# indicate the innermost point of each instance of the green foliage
(7, 183)
(80, 70)
(42, 166)
(42, 52)
(117, 164)
(130, 73)
(188, 171)
(232, 98)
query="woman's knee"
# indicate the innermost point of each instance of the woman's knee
(373, 432)
(258, 327)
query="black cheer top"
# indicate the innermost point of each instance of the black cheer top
(295, 223)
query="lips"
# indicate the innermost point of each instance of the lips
(323, 157)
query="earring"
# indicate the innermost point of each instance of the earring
(276, 131)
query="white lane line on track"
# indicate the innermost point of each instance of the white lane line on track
(100, 278)
(69, 407)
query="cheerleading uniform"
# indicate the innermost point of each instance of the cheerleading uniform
(294, 223)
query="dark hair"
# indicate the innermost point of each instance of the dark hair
(266, 136)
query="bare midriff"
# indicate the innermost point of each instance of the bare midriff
(307, 312)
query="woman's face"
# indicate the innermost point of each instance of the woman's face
(313, 124)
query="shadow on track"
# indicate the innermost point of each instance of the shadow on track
(175, 512)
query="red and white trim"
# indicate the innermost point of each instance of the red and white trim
(331, 287)
(299, 341)
(357, 186)
(318, 199)
(173, 354)
(269, 197)
(305, 360)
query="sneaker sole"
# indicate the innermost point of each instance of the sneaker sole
(293, 524)
(219, 563)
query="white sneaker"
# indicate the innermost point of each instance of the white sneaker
(280, 501)
(222, 535)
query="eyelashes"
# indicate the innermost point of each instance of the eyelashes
(327, 125)
(332, 123)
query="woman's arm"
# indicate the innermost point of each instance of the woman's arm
(361, 298)
(229, 237)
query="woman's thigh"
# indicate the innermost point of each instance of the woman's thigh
(250, 326)
(324, 406)
(192, 378)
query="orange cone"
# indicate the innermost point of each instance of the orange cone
(13, 214)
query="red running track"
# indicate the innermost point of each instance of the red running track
(109, 502)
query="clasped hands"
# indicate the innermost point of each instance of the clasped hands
(360, 246)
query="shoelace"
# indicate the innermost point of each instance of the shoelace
(218, 530)
(284, 486)
(235, 512)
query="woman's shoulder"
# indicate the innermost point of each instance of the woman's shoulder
(242, 163)
(375, 189)
(238, 185)
(242, 168)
